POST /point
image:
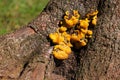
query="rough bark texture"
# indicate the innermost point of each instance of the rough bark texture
(26, 53)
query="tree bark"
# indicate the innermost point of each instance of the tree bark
(26, 53)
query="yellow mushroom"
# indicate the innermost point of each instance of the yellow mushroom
(89, 32)
(76, 14)
(84, 24)
(94, 21)
(56, 38)
(61, 51)
(63, 47)
(84, 31)
(67, 39)
(74, 38)
(67, 13)
(82, 43)
(92, 14)
(66, 35)
(74, 20)
(80, 34)
(69, 23)
(60, 55)
(62, 29)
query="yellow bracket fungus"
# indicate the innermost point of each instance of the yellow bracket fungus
(71, 20)
(64, 39)
(61, 51)
(84, 23)
(92, 14)
(60, 54)
(94, 21)
(64, 48)
(94, 17)
(56, 38)
(62, 29)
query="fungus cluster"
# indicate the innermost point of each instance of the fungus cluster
(73, 32)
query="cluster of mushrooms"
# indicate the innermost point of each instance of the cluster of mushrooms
(73, 32)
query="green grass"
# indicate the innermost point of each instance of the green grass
(16, 13)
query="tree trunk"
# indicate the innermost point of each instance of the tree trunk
(26, 53)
